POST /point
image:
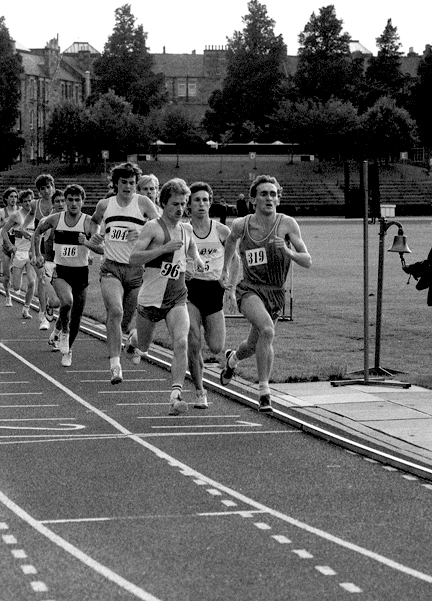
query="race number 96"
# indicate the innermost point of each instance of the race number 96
(170, 270)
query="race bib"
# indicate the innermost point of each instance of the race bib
(118, 233)
(69, 251)
(170, 270)
(257, 256)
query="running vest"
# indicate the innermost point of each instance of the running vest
(117, 220)
(263, 264)
(164, 277)
(22, 244)
(211, 251)
(67, 250)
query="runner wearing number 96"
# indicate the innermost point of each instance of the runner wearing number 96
(163, 246)
(267, 242)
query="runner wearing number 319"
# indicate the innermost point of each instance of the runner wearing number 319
(268, 242)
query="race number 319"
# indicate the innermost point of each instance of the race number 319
(256, 256)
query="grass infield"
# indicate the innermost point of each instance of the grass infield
(325, 339)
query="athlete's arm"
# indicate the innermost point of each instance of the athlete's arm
(30, 215)
(298, 252)
(10, 223)
(147, 207)
(44, 225)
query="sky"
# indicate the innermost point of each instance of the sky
(187, 25)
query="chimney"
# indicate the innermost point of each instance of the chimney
(87, 84)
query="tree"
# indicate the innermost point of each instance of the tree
(420, 98)
(68, 131)
(254, 83)
(176, 126)
(383, 74)
(325, 66)
(387, 130)
(125, 66)
(115, 128)
(10, 91)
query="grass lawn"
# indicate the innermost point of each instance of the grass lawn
(325, 340)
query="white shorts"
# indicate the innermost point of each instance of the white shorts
(49, 269)
(21, 258)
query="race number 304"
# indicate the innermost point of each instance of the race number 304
(119, 234)
(256, 256)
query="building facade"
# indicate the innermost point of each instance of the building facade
(51, 76)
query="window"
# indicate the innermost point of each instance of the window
(181, 89)
(32, 119)
(192, 89)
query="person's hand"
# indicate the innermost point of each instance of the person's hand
(172, 246)
(82, 239)
(230, 300)
(96, 240)
(39, 261)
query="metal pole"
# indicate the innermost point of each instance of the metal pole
(364, 187)
(382, 233)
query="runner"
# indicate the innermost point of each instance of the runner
(70, 277)
(21, 257)
(40, 208)
(268, 242)
(205, 290)
(10, 199)
(163, 246)
(123, 217)
(148, 185)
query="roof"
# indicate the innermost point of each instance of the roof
(355, 46)
(80, 47)
(175, 65)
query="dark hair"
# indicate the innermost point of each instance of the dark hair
(9, 191)
(127, 169)
(173, 186)
(43, 179)
(57, 193)
(263, 179)
(198, 186)
(24, 194)
(75, 189)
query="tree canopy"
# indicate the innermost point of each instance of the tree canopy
(254, 83)
(10, 94)
(125, 66)
(325, 66)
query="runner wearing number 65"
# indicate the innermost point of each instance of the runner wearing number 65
(71, 273)
(267, 242)
(163, 246)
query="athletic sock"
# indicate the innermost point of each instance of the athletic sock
(114, 361)
(233, 360)
(264, 388)
(176, 391)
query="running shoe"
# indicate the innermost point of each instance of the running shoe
(8, 302)
(178, 406)
(43, 322)
(53, 341)
(116, 374)
(265, 404)
(131, 352)
(228, 372)
(66, 359)
(64, 343)
(26, 313)
(201, 402)
(49, 313)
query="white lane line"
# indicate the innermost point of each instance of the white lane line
(302, 553)
(214, 491)
(129, 380)
(229, 491)
(102, 371)
(19, 393)
(24, 406)
(4, 526)
(19, 553)
(262, 526)
(9, 539)
(238, 425)
(35, 419)
(175, 417)
(130, 392)
(411, 478)
(229, 503)
(243, 514)
(350, 587)
(325, 570)
(16, 382)
(280, 538)
(39, 587)
(429, 486)
(28, 569)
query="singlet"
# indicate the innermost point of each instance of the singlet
(164, 277)
(22, 244)
(263, 264)
(117, 220)
(38, 215)
(68, 252)
(211, 251)
(12, 231)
